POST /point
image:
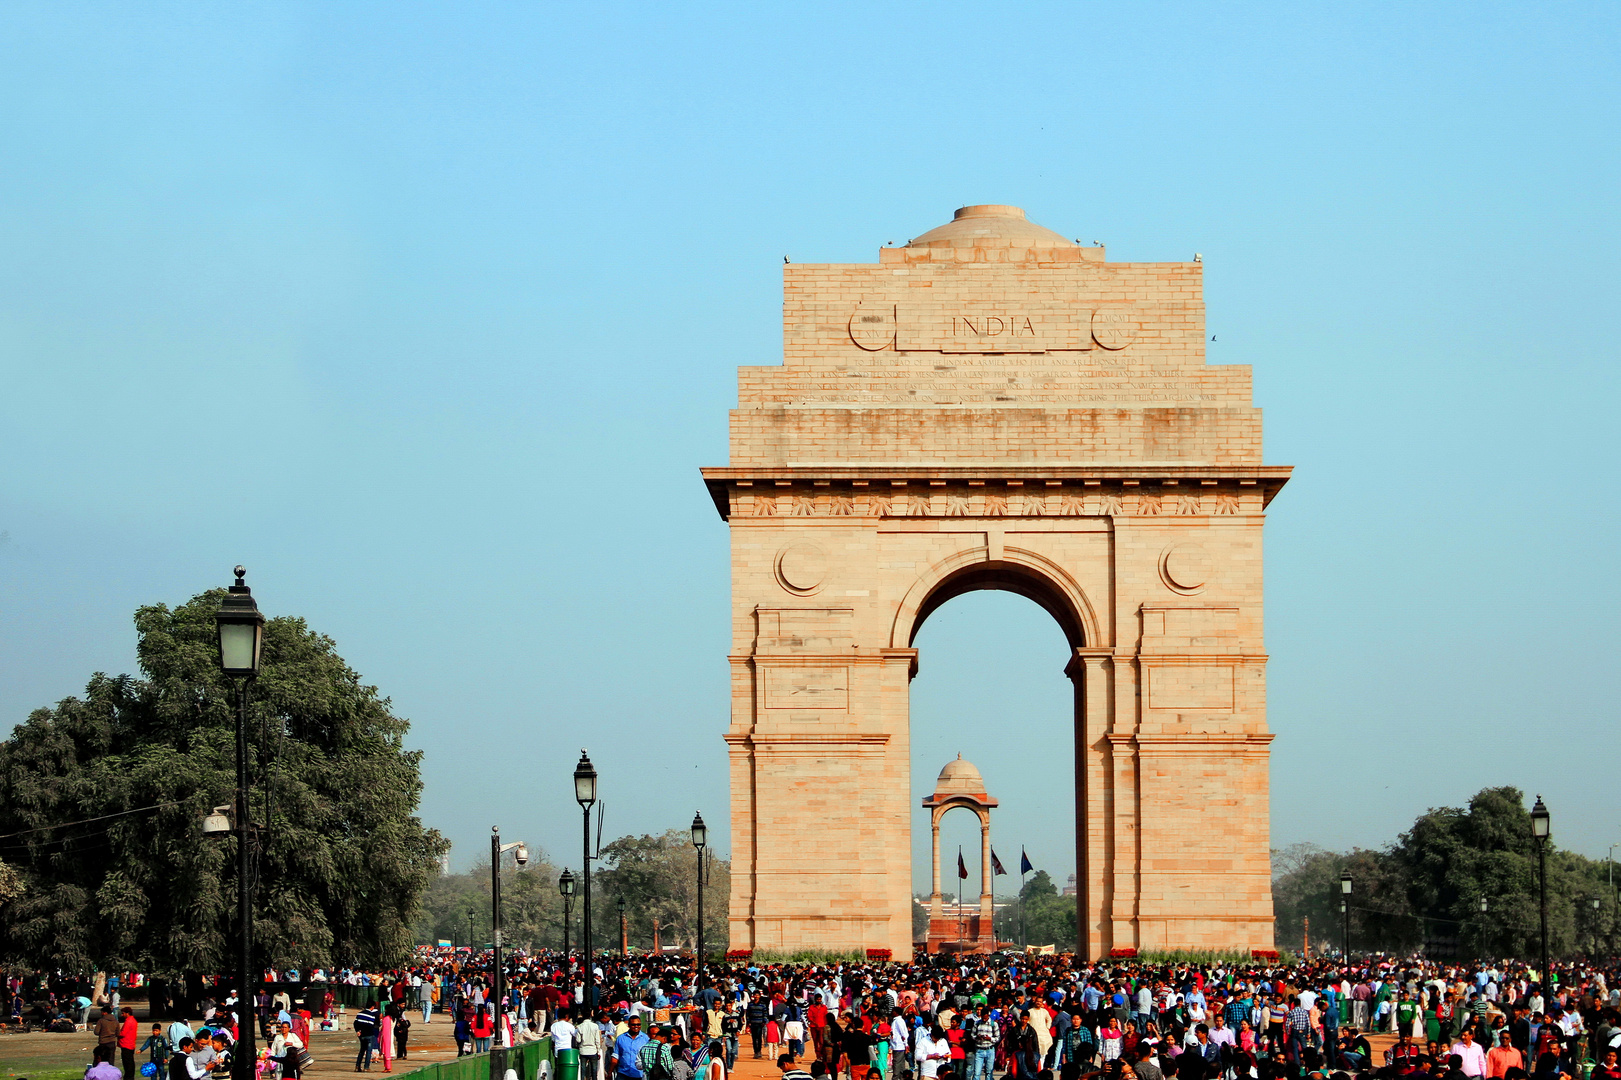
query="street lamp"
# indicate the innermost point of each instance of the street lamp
(469, 929)
(585, 793)
(624, 929)
(520, 855)
(565, 885)
(1541, 830)
(700, 837)
(241, 630)
(1345, 909)
(1595, 904)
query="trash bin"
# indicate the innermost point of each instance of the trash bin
(567, 1065)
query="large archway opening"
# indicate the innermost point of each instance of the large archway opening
(993, 644)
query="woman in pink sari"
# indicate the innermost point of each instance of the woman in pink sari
(385, 1038)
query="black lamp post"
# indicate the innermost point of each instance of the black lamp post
(1485, 930)
(1594, 903)
(585, 793)
(1345, 910)
(565, 885)
(700, 838)
(241, 630)
(469, 929)
(1541, 830)
(520, 855)
(624, 929)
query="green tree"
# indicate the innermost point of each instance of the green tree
(104, 795)
(1049, 916)
(657, 877)
(1426, 888)
(11, 882)
(1307, 886)
(531, 907)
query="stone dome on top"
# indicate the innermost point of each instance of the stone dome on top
(959, 777)
(991, 225)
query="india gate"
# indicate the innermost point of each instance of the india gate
(994, 407)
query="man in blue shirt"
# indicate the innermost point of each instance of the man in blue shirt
(627, 1049)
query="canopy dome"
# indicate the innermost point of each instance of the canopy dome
(959, 777)
(991, 225)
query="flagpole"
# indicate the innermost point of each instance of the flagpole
(959, 898)
(1024, 861)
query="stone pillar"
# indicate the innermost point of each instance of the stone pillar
(987, 908)
(1090, 670)
(934, 897)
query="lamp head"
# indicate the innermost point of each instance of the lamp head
(1485, 905)
(585, 781)
(565, 884)
(218, 821)
(1345, 882)
(240, 629)
(700, 832)
(620, 904)
(1541, 823)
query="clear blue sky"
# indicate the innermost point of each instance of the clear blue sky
(430, 313)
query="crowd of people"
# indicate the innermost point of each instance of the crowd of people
(1014, 1017)
(1031, 1018)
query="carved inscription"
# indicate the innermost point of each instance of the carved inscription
(991, 328)
(872, 326)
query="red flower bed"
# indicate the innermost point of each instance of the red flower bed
(1263, 954)
(879, 954)
(1122, 954)
(739, 954)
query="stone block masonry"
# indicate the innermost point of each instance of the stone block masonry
(995, 407)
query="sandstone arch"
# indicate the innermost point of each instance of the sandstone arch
(995, 407)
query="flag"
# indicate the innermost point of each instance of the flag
(962, 870)
(996, 864)
(1024, 862)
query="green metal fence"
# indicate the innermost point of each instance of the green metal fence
(524, 1060)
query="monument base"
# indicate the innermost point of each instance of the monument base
(950, 934)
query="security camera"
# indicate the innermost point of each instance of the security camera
(522, 855)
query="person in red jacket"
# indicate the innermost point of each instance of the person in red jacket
(483, 1030)
(129, 1033)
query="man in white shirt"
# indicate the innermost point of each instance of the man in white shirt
(900, 1039)
(933, 1048)
(565, 1036)
(590, 1039)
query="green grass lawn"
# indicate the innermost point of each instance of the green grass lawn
(44, 1056)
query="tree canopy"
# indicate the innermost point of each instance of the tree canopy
(656, 876)
(1049, 916)
(102, 798)
(1424, 890)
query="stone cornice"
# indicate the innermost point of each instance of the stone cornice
(1164, 478)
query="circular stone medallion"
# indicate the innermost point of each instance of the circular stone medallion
(1185, 567)
(801, 568)
(872, 326)
(1113, 328)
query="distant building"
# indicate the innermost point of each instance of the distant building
(444, 866)
(1069, 889)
